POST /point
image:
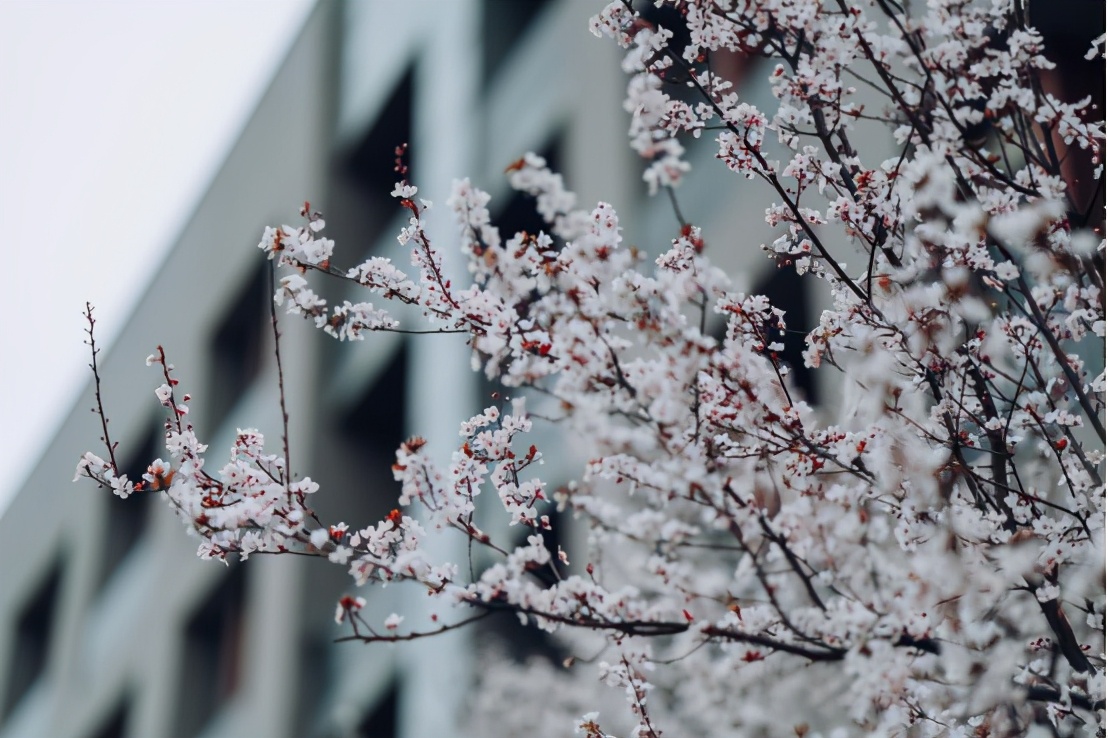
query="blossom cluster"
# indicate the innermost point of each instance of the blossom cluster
(922, 556)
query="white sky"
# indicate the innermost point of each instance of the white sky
(114, 115)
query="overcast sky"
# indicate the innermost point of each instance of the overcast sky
(114, 115)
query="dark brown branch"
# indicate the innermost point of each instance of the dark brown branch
(649, 628)
(1051, 693)
(375, 638)
(640, 699)
(280, 378)
(1065, 638)
(1063, 360)
(99, 409)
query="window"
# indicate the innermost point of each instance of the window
(380, 722)
(31, 649)
(671, 19)
(360, 208)
(315, 680)
(523, 642)
(115, 724)
(375, 423)
(365, 438)
(212, 658)
(371, 164)
(127, 519)
(519, 213)
(237, 345)
(1069, 28)
(788, 291)
(503, 23)
(515, 213)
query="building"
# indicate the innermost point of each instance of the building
(109, 626)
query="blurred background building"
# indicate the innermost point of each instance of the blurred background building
(109, 625)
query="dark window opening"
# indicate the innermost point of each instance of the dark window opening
(31, 649)
(788, 291)
(371, 164)
(669, 18)
(212, 662)
(376, 421)
(115, 726)
(1069, 28)
(524, 642)
(519, 214)
(367, 434)
(552, 538)
(676, 78)
(315, 680)
(503, 23)
(127, 519)
(733, 66)
(381, 721)
(360, 205)
(238, 344)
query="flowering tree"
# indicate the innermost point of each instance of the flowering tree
(924, 557)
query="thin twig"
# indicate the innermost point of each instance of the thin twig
(415, 635)
(280, 378)
(99, 409)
